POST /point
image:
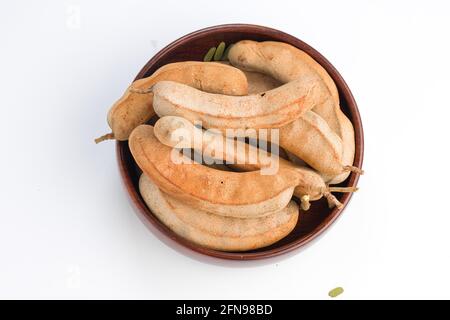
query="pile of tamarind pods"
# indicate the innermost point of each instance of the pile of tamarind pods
(230, 204)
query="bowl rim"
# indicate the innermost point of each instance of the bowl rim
(177, 242)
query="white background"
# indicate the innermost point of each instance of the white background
(67, 229)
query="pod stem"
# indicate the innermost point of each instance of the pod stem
(141, 91)
(332, 201)
(108, 136)
(304, 202)
(343, 189)
(354, 169)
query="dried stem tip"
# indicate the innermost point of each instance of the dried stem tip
(332, 201)
(304, 202)
(354, 169)
(108, 136)
(343, 189)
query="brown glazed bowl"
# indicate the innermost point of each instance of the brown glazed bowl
(193, 47)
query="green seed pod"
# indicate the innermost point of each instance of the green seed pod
(219, 52)
(335, 292)
(210, 54)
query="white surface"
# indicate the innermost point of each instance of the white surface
(67, 229)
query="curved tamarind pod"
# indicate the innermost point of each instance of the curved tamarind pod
(244, 195)
(287, 63)
(271, 109)
(308, 137)
(260, 82)
(180, 133)
(312, 140)
(281, 61)
(135, 107)
(215, 231)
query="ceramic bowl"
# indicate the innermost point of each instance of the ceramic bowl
(193, 46)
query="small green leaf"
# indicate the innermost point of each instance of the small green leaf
(219, 51)
(210, 54)
(335, 292)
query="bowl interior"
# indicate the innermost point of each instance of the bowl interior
(193, 47)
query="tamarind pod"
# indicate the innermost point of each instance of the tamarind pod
(281, 61)
(215, 231)
(286, 63)
(180, 133)
(271, 109)
(247, 194)
(135, 107)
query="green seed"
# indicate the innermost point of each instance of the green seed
(210, 54)
(225, 54)
(335, 292)
(219, 51)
